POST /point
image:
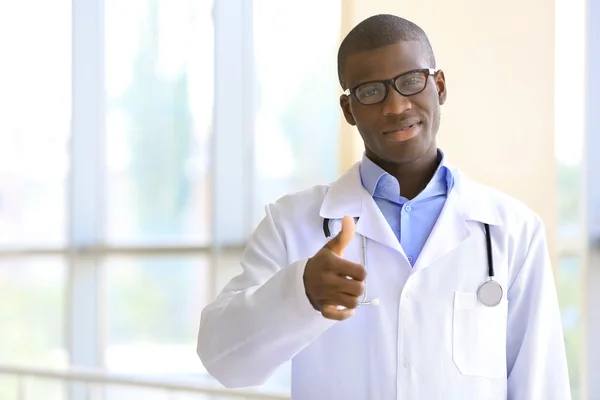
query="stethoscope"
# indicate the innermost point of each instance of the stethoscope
(489, 292)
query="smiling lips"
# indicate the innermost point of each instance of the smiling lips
(404, 132)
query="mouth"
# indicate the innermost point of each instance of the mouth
(404, 132)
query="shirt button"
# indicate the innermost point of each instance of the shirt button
(407, 364)
(408, 208)
(409, 259)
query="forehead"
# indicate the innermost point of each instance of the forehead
(384, 63)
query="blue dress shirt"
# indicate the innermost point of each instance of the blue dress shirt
(411, 220)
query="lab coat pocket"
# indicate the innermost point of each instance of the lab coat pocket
(479, 336)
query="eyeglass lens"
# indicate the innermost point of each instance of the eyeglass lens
(407, 85)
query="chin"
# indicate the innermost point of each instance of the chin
(410, 150)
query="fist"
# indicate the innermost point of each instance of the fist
(334, 285)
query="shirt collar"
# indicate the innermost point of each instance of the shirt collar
(381, 184)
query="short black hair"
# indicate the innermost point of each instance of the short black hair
(379, 31)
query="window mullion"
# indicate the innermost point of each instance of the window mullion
(233, 134)
(86, 188)
(591, 312)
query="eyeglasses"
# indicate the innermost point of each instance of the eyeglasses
(407, 84)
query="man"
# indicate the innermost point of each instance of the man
(460, 301)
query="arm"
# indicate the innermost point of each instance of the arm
(536, 357)
(262, 318)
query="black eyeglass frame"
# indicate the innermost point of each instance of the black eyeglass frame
(386, 82)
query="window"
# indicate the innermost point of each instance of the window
(570, 133)
(35, 77)
(35, 104)
(159, 85)
(297, 119)
(32, 315)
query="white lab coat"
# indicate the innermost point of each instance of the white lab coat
(430, 338)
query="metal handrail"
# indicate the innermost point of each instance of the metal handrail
(126, 250)
(79, 374)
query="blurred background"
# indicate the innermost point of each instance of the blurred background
(140, 141)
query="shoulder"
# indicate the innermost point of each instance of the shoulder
(297, 220)
(298, 207)
(505, 210)
(307, 198)
(517, 229)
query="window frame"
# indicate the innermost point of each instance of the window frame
(591, 200)
(85, 326)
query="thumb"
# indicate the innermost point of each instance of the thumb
(339, 243)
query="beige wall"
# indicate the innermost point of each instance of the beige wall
(498, 122)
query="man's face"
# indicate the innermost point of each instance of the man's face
(400, 128)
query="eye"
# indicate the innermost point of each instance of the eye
(412, 80)
(369, 90)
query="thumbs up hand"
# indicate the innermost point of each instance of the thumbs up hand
(326, 277)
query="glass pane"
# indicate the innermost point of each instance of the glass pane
(570, 203)
(297, 121)
(159, 72)
(154, 306)
(47, 389)
(569, 292)
(35, 104)
(32, 311)
(570, 90)
(32, 388)
(9, 387)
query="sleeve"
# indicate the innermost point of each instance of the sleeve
(536, 356)
(262, 318)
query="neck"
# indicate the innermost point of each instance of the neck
(414, 175)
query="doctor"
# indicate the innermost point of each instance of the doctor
(431, 286)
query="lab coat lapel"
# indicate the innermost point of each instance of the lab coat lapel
(347, 196)
(374, 226)
(449, 232)
(465, 202)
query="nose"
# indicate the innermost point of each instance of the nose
(395, 103)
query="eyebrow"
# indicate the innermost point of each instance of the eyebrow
(383, 79)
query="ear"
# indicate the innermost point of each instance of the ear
(345, 104)
(440, 83)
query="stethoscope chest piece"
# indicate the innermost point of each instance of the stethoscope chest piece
(490, 293)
